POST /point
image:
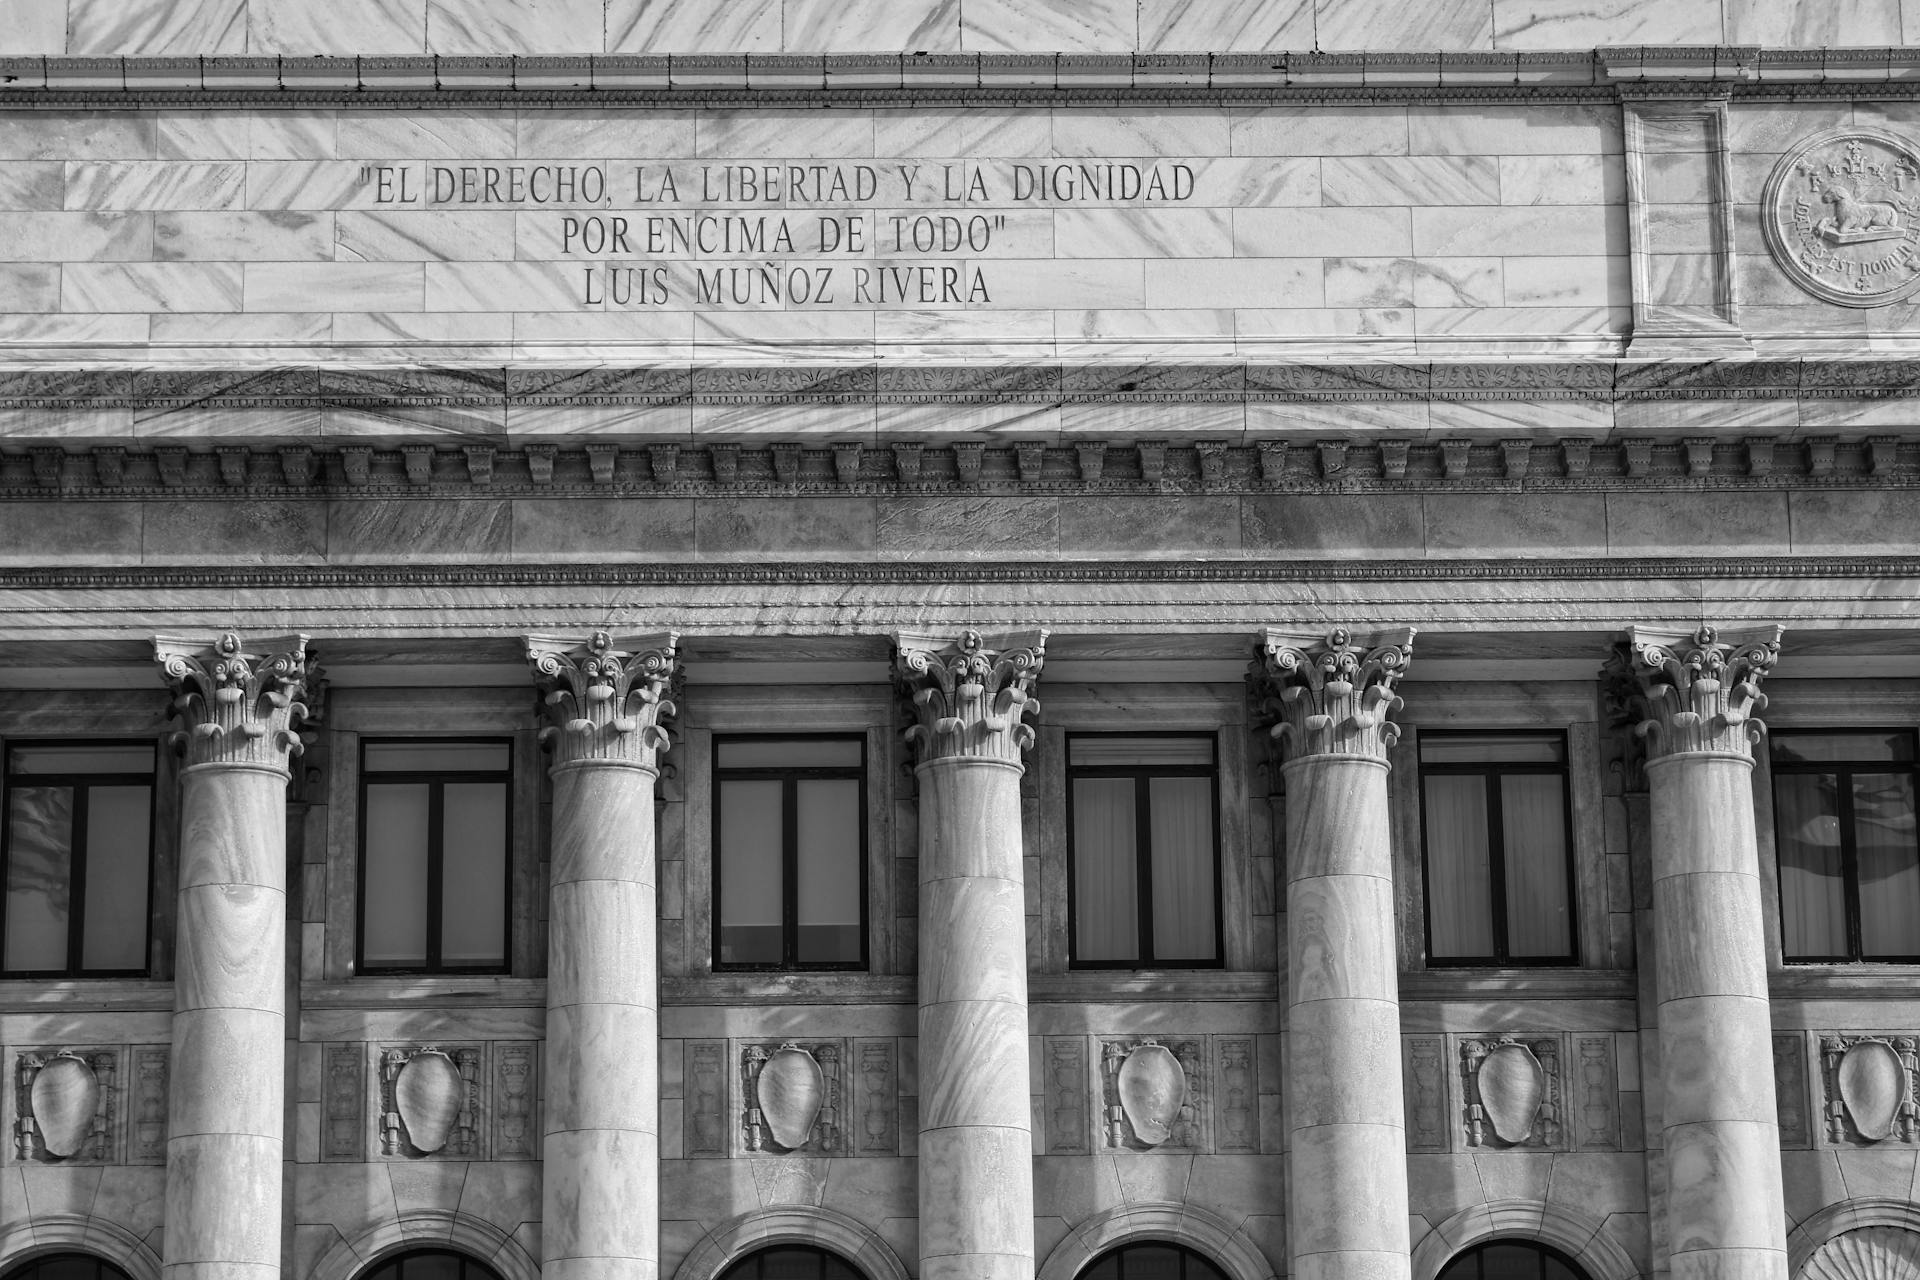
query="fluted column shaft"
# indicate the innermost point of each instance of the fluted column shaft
(227, 1093)
(976, 1138)
(601, 1145)
(1347, 1197)
(1725, 1209)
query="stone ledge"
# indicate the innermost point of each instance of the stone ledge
(569, 80)
(1303, 463)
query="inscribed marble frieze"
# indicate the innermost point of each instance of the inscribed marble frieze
(1052, 232)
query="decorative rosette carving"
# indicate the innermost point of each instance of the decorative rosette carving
(1331, 695)
(607, 697)
(1693, 691)
(970, 696)
(240, 706)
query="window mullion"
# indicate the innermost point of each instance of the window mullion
(436, 871)
(1849, 863)
(790, 872)
(1497, 865)
(77, 882)
(1143, 863)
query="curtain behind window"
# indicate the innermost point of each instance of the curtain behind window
(1181, 834)
(1459, 884)
(1813, 912)
(1106, 902)
(1534, 831)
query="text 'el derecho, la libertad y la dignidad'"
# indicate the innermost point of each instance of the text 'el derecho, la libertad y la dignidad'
(737, 234)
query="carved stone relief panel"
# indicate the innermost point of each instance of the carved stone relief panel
(1154, 1094)
(1236, 1117)
(1839, 211)
(1866, 1253)
(705, 1084)
(878, 1088)
(1868, 1089)
(1790, 1089)
(343, 1103)
(804, 1097)
(66, 1105)
(147, 1143)
(1512, 1091)
(516, 1122)
(430, 1101)
(1064, 1089)
(1424, 1076)
(1593, 1113)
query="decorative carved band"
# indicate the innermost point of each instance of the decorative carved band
(240, 707)
(606, 697)
(1330, 695)
(1693, 691)
(970, 695)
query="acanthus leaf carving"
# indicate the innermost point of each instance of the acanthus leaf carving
(240, 707)
(1330, 695)
(607, 698)
(970, 696)
(1693, 691)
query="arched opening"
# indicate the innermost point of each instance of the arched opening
(792, 1262)
(1152, 1260)
(66, 1266)
(1512, 1260)
(430, 1264)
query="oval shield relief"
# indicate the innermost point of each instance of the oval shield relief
(1153, 1088)
(428, 1094)
(1872, 1084)
(65, 1097)
(792, 1090)
(1512, 1086)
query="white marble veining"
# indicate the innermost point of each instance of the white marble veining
(1180, 26)
(179, 28)
(1086, 26)
(1433, 24)
(478, 28)
(860, 26)
(1585, 24)
(298, 28)
(664, 26)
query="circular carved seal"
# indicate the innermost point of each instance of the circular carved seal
(1842, 215)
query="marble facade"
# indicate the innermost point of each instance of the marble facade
(610, 380)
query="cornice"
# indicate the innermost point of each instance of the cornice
(681, 80)
(903, 468)
(1691, 569)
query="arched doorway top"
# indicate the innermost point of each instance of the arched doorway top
(427, 1229)
(825, 1229)
(1582, 1238)
(1890, 1221)
(1205, 1233)
(72, 1233)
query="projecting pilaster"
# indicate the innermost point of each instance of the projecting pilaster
(1347, 1187)
(969, 697)
(227, 1097)
(1696, 694)
(601, 1198)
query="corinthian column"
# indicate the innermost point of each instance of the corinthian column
(227, 1097)
(969, 698)
(1698, 693)
(1347, 1189)
(600, 1212)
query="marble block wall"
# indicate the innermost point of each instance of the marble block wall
(1381, 230)
(468, 27)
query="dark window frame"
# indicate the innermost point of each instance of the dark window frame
(1141, 774)
(1843, 772)
(789, 776)
(1491, 772)
(1476, 1253)
(396, 1265)
(1187, 1254)
(30, 1268)
(752, 1266)
(436, 780)
(77, 870)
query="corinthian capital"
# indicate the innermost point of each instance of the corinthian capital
(1330, 695)
(970, 695)
(1693, 690)
(606, 697)
(240, 707)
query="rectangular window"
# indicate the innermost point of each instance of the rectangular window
(1497, 842)
(434, 817)
(78, 851)
(1843, 807)
(790, 853)
(1144, 875)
